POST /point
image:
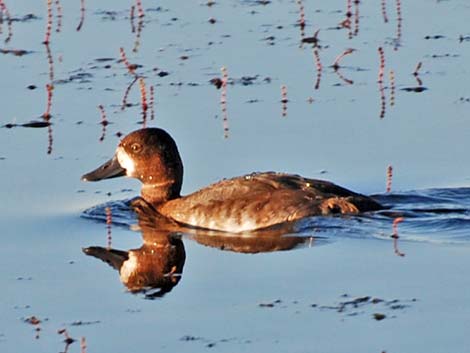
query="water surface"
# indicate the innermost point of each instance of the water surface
(224, 300)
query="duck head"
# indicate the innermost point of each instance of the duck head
(150, 155)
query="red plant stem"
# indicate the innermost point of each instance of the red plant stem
(47, 36)
(4, 10)
(301, 19)
(395, 236)
(381, 82)
(284, 100)
(126, 93)
(59, 15)
(399, 24)
(130, 68)
(152, 103)
(347, 22)
(143, 96)
(342, 55)
(132, 15)
(83, 345)
(103, 122)
(384, 10)
(47, 114)
(223, 101)
(33, 320)
(109, 221)
(392, 88)
(356, 17)
(140, 9)
(82, 15)
(389, 178)
(336, 66)
(319, 67)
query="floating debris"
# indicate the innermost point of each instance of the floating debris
(15, 52)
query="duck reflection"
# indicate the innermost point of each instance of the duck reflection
(153, 269)
(157, 266)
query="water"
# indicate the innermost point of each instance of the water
(333, 133)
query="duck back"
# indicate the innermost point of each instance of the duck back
(261, 200)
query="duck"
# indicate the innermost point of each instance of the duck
(241, 204)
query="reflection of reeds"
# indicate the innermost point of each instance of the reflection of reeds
(389, 178)
(109, 221)
(126, 93)
(67, 339)
(143, 101)
(392, 87)
(395, 236)
(4, 11)
(131, 69)
(399, 24)
(343, 78)
(140, 25)
(383, 6)
(284, 100)
(82, 15)
(47, 36)
(356, 17)
(49, 139)
(131, 17)
(416, 73)
(152, 103)
(223, 100)
(380, 81)
(50, 62)
(47, 116)
(319, 67)
(103, 122)
(58, 7)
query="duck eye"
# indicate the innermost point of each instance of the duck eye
(136, 148)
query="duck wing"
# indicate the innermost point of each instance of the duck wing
(261, 200)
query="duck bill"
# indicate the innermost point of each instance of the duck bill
(115, 258)
(108, 170)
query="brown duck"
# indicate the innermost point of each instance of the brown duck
(241, 204)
